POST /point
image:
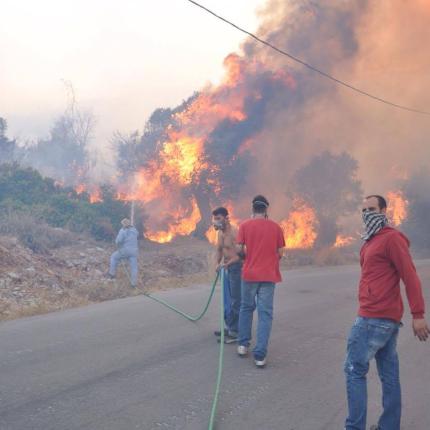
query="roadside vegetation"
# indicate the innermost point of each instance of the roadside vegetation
(29, 203)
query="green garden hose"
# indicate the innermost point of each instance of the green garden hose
(197, 318)
(185, 315)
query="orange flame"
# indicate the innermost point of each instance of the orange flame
(80, 189)
(397, 210)
(95, 194)
(182, 157)
(342, 241)
(183, 224)
(168, 180)
(300, 226)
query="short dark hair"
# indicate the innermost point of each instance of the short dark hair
(220, 211)
(382, 203)
(260, 204)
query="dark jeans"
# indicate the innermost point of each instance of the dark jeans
(373, 338)
(233, 293)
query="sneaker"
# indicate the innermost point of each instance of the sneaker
(260, 362)
(218, 332)
(109, 276)
(242, 350)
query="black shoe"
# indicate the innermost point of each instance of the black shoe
(218, 333)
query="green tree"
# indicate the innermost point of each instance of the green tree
(7, 146)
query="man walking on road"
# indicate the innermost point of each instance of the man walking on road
(384, 260)
(229, 261)
(262, 242)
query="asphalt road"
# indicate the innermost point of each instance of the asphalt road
(132, 364)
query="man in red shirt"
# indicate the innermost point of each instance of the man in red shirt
(384, 260)
(261, 241)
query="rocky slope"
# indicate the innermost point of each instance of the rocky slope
(73, 274)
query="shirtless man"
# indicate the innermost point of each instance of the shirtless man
(228, 260)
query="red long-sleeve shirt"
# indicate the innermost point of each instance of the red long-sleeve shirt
(385, 260)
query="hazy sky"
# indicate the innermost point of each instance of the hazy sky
(125, 58)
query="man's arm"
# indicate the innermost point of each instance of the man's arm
(219, 249)
(398, 252)
(120, 238)
(240, 243)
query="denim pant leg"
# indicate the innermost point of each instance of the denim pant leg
(133, 269)
(114, 261)
(367, 337)
(387, 362)
(234, 278)
(265, 296)
(247, 307)
(356, 368)
(227, 299)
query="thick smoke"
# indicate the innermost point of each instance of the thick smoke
(330, 185)
(417, 226)
(381, 47)
(271, 116)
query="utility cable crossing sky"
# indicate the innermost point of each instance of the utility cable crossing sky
(309, 66)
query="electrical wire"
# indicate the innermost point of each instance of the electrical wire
(307, 65)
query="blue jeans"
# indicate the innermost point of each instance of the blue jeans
(260, 295)
(232, 293)
(131, 257)
(373, 338)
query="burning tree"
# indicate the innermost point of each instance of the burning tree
(329, 184)
(134, 150)
(197, 155)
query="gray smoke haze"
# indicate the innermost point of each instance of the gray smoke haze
(381, 47)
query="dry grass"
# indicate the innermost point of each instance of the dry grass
(44, 304)
(33, 233)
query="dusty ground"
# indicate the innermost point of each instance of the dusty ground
(34, 282)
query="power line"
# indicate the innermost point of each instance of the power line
(309, 66)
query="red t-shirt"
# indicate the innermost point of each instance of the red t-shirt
(385, 259)
(262, 238)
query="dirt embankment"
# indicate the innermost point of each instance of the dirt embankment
(47, 269)
(73, 274)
